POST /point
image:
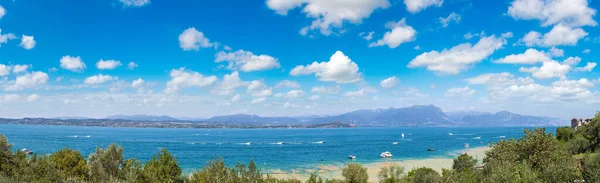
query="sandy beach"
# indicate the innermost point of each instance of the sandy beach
(335, 171)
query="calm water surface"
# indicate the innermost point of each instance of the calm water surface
(301, 148)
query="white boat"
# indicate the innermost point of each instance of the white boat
(502, 137)
(450, 134)
(386, 154)
(27, 151)
(477, 138)
(319, 142)
(352, 157)
(247, 143)
(395, 143)
(280, 143)
(466, 145)
(402, 135)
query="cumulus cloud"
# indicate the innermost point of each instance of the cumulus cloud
(531, 56)
(413, 92)
(550, 69)
(134, 3)
(246, 61)
(236, 98)
(2, 11)
(556, 52)
(559, 35)
(98, 79)
(33, 97)
(587, 68)
(400, 33)
(20, 68)
(287, 84)
(229, 84)
(469, 35)
(339, 69)
(74, 64)
(458, 58)
(27, 42)
(389, 82)
(361, 92)
(366, 36)
(137, 83)
(28, 80)
(291, 94)
(572, 13)
(453, 17)
(258, 88)
(132, 65)
(326, 89)
(328, 16)
(4, 70)
(12, 97)
(182, 78)
(586, 51)
(192, 39)
(4, 38)
(259, 100)
(414, 6)
(108, 64)
(459, 92)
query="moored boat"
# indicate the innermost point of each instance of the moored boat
(352, 157)
(430, 149)
(386, 154)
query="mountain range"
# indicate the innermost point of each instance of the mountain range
(419, 115)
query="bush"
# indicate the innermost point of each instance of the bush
(162, 168)
(71, 162)
(355, 173)
(591, 168)
(391, 174)
(464, 162)
(423, 175)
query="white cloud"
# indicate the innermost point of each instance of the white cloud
(135, 3)
(137, 83)
(587, 68)
(507, 35)
(29, 80)
(413, 92)
(459, 92)
(229, 84)
(326, 90)
(459, 57)
(550, 69)
(389, 82)
(33, 97)
(132, 65)
(246, 61)
(586, 51)
(287, 84)
(192, 39)
(367, 36)
(4, 70)
(572, 13)
(417, 47)
(328, 15)
(98, 79)
(291, 94)
(531, 56)
(556, 52)
(2, 12)
(315, 97)
(258, 88)
(6, 37)
(469, 35)
(400, 33)
(236, 98)
(182, 78)
(11, 97)
(20, 68)
(290, 105)
(74, 64)
(360, 93)
(453, 17)
(414, 6)
(27, 42)
(108, 64)
(559, 35)
(259, 100)
(339, 69)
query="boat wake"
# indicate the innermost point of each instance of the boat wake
(82, 136)
(319, 142)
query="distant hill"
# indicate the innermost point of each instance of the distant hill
(505, 118)
(247, 119)
(420, 115)
(141, 117)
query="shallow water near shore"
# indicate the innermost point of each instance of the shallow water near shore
(281, 151)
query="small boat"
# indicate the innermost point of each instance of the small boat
(27, 151)
(450, 134)
(319, 142)
(477, 138)
(466, 145)
(280, 143)
(248, 143)
(502, 137)
(430, 149)
(386, 154)
(402, 135)
(395, 143)
(352, 157)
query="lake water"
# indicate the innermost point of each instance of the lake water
(301, 148)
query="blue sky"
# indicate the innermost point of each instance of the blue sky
(205, 58)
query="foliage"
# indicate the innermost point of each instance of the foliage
(391, 174)
(162, 168)
(464, 162)
(565, 133)
(105, 164)
(71, 162)
(355, 173)
(216, 171)
(498, 171)
(591, 168)
(423, 175)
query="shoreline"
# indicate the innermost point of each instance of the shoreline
(334, 171)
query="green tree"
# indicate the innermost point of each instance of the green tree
(133, 171)
(314, 178)
(355, 173)
(497, 171)
(162, 168)
(391, 174)
(464, 162)
(423, 175)
(105, 164)
(565, 133)
(71, 162)
(579, 144)
(591, 168)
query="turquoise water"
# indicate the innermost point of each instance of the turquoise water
(194, 147)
